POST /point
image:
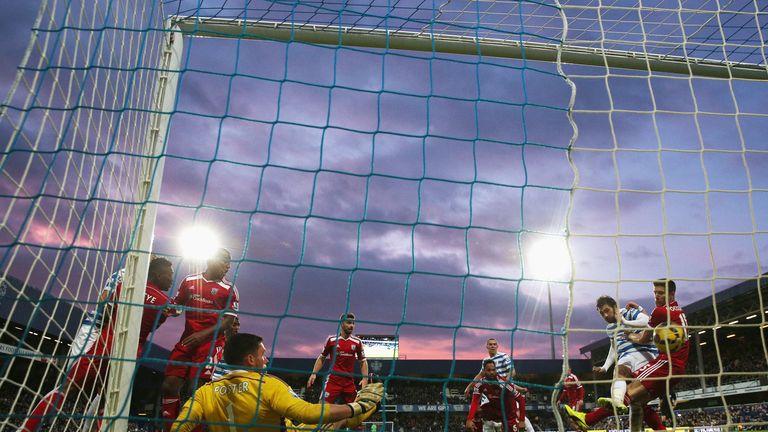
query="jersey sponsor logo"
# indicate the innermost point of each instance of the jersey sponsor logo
(200, 298)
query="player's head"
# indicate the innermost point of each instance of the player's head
(492, 345)
(664, 291)
(570, 379)
(245, 349)
(160, 273)
(218, 264)
(607, 308)
(235, 329)
(347, 323)
(489, 369)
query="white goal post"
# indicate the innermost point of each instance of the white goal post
(126, 339)
(454, 44)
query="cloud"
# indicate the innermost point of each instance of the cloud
(16, 25)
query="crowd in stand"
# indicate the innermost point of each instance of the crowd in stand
(415, 393)
(14, 414)
(735, 369)
(741, 415)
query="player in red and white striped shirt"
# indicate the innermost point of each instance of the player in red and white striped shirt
(343, 350)
(212, 303)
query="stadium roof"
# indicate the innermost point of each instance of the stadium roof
(20, 300)
(740, 299)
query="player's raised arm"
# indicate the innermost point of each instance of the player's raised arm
(638, 318)
(645, 336)
(477, 377)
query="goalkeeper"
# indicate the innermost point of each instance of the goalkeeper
(254, 401)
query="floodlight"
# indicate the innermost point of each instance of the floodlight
(198, 242)
(548, 259)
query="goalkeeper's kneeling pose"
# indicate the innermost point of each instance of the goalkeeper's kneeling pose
(255, 401)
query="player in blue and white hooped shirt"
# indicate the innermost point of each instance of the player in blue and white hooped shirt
(505, 367)
(90, 329)
(628, 356)
(503, 362)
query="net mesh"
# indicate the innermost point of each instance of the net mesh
(409, 187)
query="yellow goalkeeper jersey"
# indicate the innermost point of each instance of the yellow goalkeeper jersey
(247, 401)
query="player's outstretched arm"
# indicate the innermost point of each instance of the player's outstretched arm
(287, 405)
(608, 361)
(350, 423)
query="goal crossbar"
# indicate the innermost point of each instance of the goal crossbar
(365, 37)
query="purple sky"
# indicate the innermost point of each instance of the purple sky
(368, 145)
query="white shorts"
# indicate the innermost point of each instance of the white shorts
(634, 360)
(493, 426)
(528, 425)
(86, 336)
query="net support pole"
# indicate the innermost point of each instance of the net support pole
(454, 44)
(130, 309)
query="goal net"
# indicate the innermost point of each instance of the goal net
(449, 171)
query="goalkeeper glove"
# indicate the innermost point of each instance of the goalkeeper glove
(367, 399)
